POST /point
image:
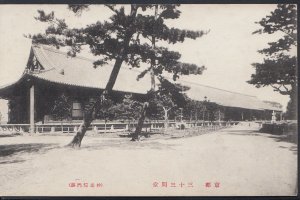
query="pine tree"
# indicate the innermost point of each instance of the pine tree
(278, 69)
(169, 97)
(123, 38)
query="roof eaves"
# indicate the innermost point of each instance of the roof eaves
(77, 85)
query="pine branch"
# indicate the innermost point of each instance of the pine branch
(285, 91)
(78, 8)
(112, 7)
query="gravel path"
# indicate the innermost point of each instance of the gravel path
(232, 161)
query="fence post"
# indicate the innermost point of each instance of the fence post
(95, 129)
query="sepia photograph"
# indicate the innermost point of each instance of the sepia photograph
(148, 100)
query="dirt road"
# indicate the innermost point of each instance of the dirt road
(233, 161)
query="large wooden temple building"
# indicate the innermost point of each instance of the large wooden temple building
(50, 72)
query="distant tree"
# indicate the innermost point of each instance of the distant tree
(128, 109)
(292, 108)
(193, 109)
(212, 111)
(105, 112)
(17, 111)
(169, 96)
(122, 39)
(278, 69)
(165, 102)
(62, 108)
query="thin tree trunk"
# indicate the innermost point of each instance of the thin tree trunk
(152, 76)
(135, 135)
(76, 142)
(166, 117)
(88, 113)
(143, 113)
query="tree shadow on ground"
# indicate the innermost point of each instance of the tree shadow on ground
(285, 138)
(278, 138)
(244, 132)
(281, 138)
(9, 135)
(293, 149)
(128, 145)
(12, 161)
(14, 149)
(275, 137)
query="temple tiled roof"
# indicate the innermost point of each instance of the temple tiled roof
(226, 98)
(78, 71)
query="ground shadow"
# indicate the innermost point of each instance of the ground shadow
(294, 149)
(126, 144)
(12, 161)
(9, 135)
(12, 149)
(276, 137)
(285, 138)
(281, 138)
(244, 132)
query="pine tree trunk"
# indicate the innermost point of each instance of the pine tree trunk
(76, 142)
(139, 126)
(142, 117)
(88, 114)
(88, 117)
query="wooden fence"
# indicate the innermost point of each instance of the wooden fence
(100, 127)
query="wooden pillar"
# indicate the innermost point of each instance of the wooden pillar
(31, 108)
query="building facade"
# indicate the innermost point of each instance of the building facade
(50, 74)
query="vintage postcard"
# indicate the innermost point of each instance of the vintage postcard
(148, 100)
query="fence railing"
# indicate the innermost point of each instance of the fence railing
(100, 127)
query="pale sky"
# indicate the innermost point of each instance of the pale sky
(227, 51)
